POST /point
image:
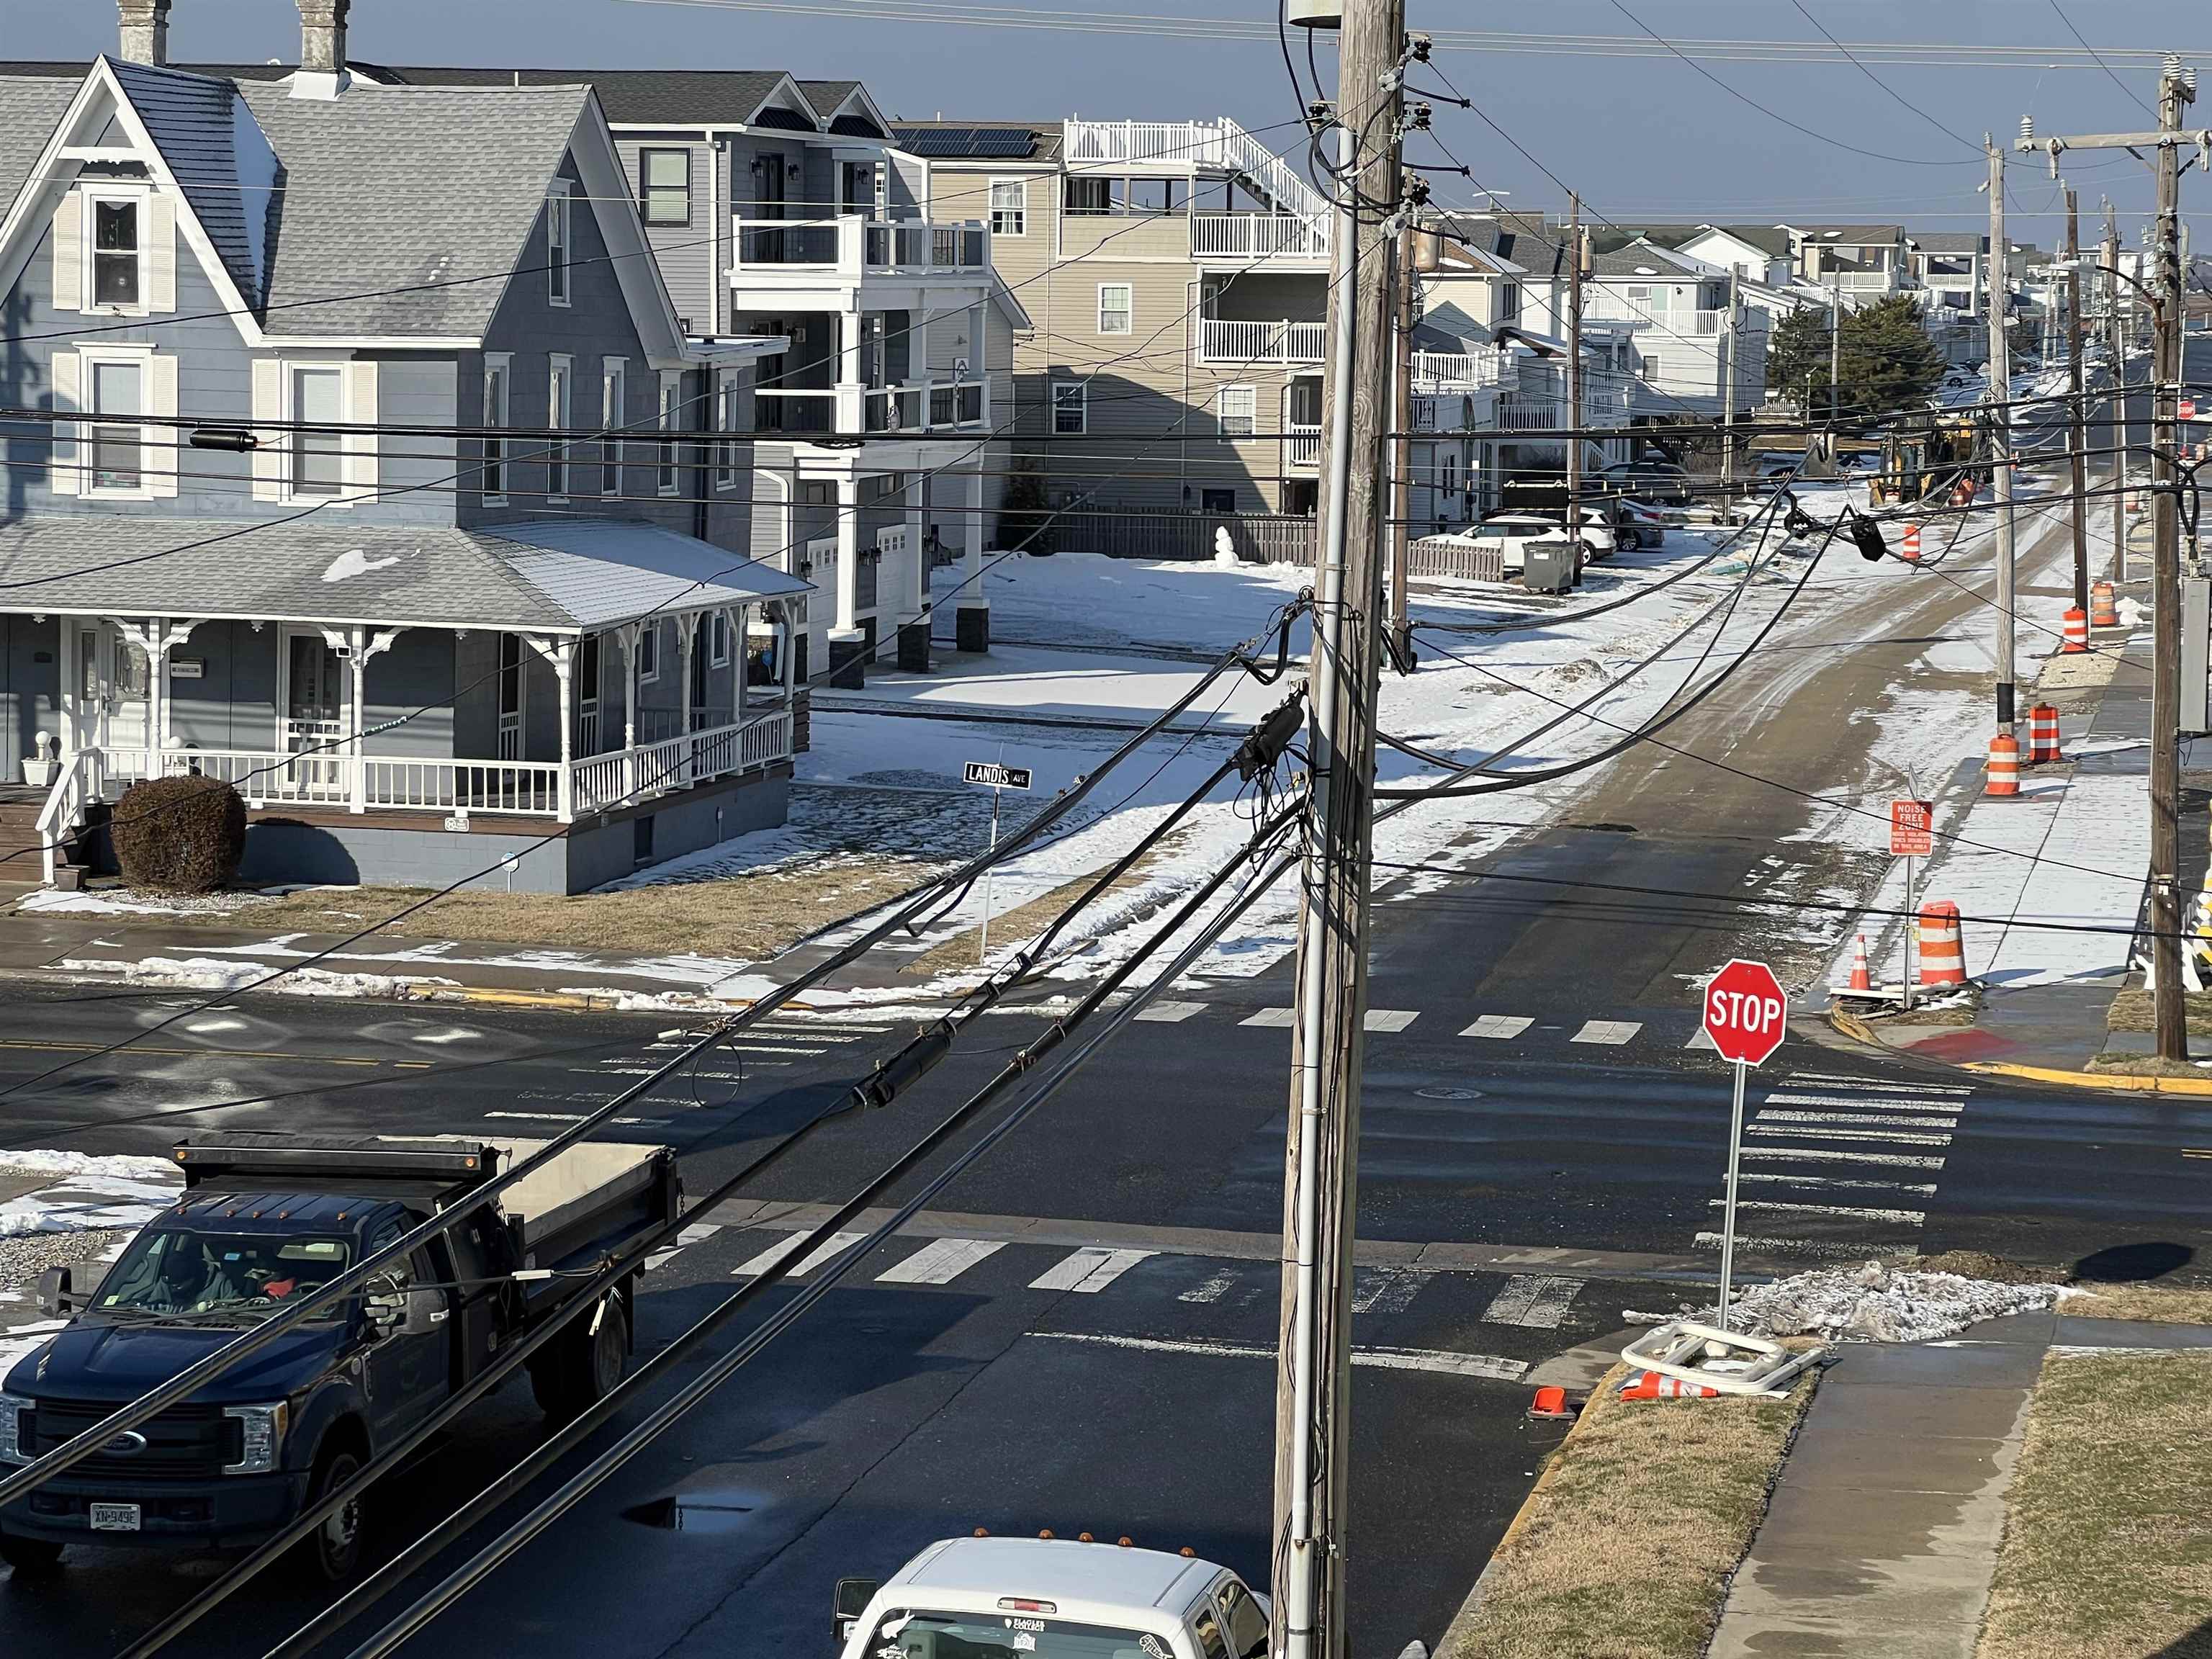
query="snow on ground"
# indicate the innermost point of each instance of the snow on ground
(86, 1193)
(1877, 1303)
(207, 974)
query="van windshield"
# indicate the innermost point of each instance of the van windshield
(175, 1271)
(1006, 1636)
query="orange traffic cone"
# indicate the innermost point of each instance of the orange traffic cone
(1861, 979)
(2004, 767)
(1649, 1385)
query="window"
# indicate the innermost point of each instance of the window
(1089, 195)
(497, 369)
(671, 420)
(1010, 203)
(665, 186)
(1447, 472)
(560, 411)
(318, 456)
(1237, 408)
(648, 652)
(1206, 1624)
(1650, 366)
(1217, 501)
(726, 402)
(510, 696)
(611, 394)
(115, 248)
(1248, 1625)
(556, 243)
(1069, 414)
(717, 640)
(1509, 302)
(119, 387)
(1115, 301)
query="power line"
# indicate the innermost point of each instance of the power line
(2100, 62)
(1886, 88)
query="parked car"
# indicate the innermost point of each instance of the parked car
(265, 1221)
(1515, 530)
(1652, 481)
(1636, 525)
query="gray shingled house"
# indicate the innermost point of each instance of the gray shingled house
(418, 653)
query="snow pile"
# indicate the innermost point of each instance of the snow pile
(87, 1193)
(205, 974)
(120, 1166)
(2131, 611)
(1879, 1304)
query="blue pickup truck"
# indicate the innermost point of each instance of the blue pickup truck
(267, 1218)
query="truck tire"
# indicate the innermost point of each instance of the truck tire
(30, 1558)
(580, 1367)
(335, 1547)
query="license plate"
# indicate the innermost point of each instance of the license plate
(115, 1517)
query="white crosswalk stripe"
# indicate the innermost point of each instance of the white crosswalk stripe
(1533, 1299)
(1614, 1032)
(1498, 1026)
(1385, 1289)
(834, 1245)
(1269, 1017)
(1088, 1271)
(1391, 1020)
(1169, 1013)
(939, 1262)
(698, 1232)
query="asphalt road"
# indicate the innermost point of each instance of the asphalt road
(1079, 1334)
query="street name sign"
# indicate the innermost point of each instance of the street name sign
(1912, 828)
(996, 776)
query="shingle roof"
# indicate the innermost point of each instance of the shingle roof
(379, 232)
(639, 97)
(577, 574)
(1767, 239)
(30, 109)
(223, 163)
(1944, 241)
(826, 95)
(1849, 233)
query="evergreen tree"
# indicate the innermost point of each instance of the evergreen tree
(1888, 361)
(1025, 515)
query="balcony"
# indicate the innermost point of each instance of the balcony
(1246, 238)
(1225, 340)
(917, 406)
(851, 249)
(1302, 444)
(1462, 371)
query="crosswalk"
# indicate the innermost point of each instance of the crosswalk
(1604, 1033)
(1840, 1166)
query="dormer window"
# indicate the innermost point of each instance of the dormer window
(116, 246)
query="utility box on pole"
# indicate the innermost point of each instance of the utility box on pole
(2196, 656)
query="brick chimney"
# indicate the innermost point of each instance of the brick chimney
(143, 36)
(322, 49)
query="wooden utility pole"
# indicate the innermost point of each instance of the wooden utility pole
(2115, 353)
(1728, 400)
(1313, 1387)
(2177, 90)
(1575, 262)
(2000, 407)
(2079, 459)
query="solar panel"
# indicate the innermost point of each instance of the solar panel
(949, 143)
(1003, 141)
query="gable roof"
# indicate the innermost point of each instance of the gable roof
(222, 161)
(1771, 239)
(30, 109)
(1944, 241)
(1847, 233)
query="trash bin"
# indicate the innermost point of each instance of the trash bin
(1547, 567)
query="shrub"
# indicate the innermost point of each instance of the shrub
(182, 835)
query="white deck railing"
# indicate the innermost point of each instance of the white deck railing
(606, 781)
(852, 247)
(1223, 340)
(1186, 146)
(1258, 236)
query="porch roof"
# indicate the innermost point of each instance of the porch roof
(562, 577)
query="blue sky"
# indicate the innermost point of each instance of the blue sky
(1638, 134)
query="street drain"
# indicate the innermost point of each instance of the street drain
(1437, 1093)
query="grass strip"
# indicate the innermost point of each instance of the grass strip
(2107, 1552)
(1626, 1547)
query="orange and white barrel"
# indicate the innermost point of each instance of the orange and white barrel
(1911, 554)
(1942, 951)
(2104, 607)
(2076, 635)
(2043, 736)
(2003, 769)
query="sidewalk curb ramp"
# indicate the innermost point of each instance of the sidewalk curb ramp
(1858, 1030)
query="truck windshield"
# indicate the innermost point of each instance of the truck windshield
(1006, 1636)
(174, 1270)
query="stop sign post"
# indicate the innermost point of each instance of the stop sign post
(1746, 1010)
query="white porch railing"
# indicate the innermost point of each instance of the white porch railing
(79, 780)
(1258, 236)
(1186, 146)
(1222, 340)
(1304, 448)
(852, 247)
(607, 782)
(1462, 371)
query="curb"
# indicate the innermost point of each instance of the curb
(2149, 1082)
(401, 990)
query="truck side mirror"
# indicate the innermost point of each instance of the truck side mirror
(385, 1303)
(853, 1595)
(426, 1312)
(54, 1291)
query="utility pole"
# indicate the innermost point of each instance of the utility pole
(2177, 90)
(2080, 458)
(1999, 395)
(1313, 1388)
(2116, 352)
(1728, 399)
(1575, 378)
(1402, 445)
(1835, 356)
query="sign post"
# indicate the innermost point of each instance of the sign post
(998, 780)
(1744, 1017)
(1910, 836)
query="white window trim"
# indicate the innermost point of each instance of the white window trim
(88, 357)
(89, 260)
(1130, 312)
(560, 415)
(557, 212)
(727, 396)
(1082, 390)
(667, 454)
(614, 377)
(1020, 210)
(502, 364)
(287, 410)
(648, 634)
(1221, 410)
(718, 639)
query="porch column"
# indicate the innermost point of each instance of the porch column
(72, 689)
(914, 612)
(564, 671)
(846, 648)
(627, 634)
(972, 615)
(356, 745)
(786, 653)
(687, 636)
(157, 641)
(738, 621)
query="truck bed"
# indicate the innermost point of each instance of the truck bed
(591, 1196)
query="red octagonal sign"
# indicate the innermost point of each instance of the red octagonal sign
(1745, 1011)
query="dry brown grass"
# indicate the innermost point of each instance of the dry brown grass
(2107, 1550)
(745, 916)
(1624, 1549)
(2167, 1305)
(2131, 1012)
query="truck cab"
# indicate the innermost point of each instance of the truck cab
(1046, 1598)
(265, 1222)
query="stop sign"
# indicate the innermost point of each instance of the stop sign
(1745, 1010)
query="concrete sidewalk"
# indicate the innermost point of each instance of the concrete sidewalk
(1883, 1532)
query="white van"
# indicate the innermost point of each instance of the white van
(1042, 1598)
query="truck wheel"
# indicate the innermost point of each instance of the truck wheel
(336, 1545)
(31, 1558)
(582, 1367)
